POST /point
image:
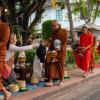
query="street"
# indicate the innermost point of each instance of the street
(89, 90)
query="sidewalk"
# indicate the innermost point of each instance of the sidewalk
(43, 92)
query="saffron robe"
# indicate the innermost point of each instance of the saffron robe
(56, 69)
(84, 61)
(98, 49)
(92, 61)
(4, 37)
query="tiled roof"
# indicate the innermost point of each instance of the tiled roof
(90, 26)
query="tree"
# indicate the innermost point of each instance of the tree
(22, 9)
(70, 18)
(88, 9)
(19, 12)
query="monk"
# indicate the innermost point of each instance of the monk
(92, 60)
(56, 69)
(4, 37)
(83, 54)
(98, 48)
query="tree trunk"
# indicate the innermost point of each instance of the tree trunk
(70, 19)
(39, 12)
(89, 10)
(96, 11)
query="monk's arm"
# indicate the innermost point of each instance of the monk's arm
(5, 36)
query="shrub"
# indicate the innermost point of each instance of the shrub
(70, 61)
(30, 54)
(97, 57)
(46, 29)
(70, 58)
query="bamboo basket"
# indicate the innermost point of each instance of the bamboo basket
(14, 88)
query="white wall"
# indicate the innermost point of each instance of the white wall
(50, 14)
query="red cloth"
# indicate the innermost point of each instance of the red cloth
(83, 62)
(6, 71)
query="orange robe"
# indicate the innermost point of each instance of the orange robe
(98, 48)
(84, 62)
(92, 61)
(56, 69)
(4, 37)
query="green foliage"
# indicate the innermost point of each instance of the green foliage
(46, 29)
(30, 54)
(70, 58)
(97, 57)
(17, 29)
(98, 13)
(82, 6)
(70, 61)
(75, 10)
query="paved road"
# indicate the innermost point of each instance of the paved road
(89, 90)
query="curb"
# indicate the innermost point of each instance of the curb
(62, 90)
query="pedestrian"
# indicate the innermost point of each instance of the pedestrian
(83, 53)
(57, 51)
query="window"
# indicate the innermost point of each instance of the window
(59, 15)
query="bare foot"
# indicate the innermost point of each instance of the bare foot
(61, 84)
(49, 84)
(7, 96)
(86, 75)
(92, 71)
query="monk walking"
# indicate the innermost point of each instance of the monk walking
(83, 53)
(98, 48)
(58, 46)
(92, 59)
(4, 37)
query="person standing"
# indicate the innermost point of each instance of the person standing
(92, 60)
(83, 53)
(58, 44)
(41, 53)
(98, 48)
(4, 38)
(12, 48)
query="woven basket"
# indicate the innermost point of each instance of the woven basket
(21, 84)
(34, 79)
(14, 88)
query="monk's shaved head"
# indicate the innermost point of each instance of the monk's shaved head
(54, 22)
(55, 25)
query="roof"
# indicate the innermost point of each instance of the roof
(89, 26)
